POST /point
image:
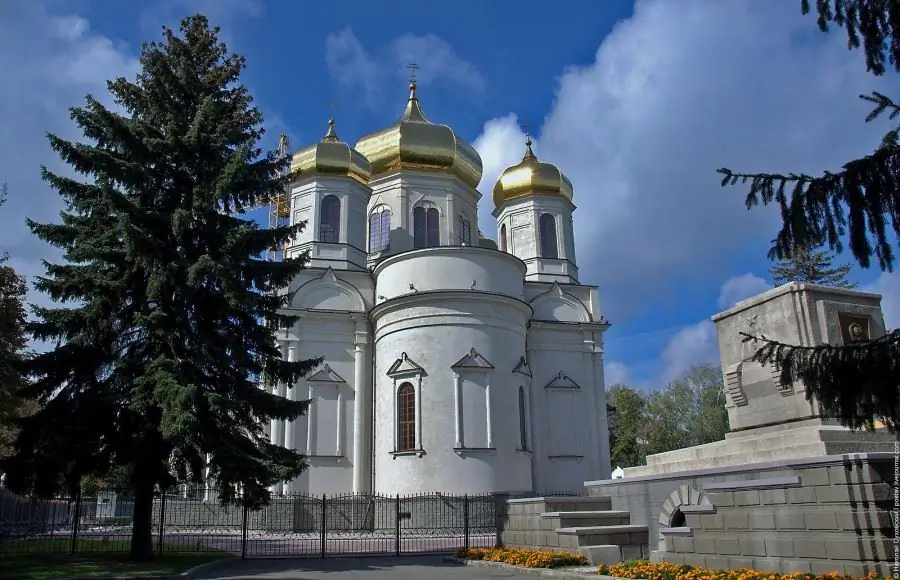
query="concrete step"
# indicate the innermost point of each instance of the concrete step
(610, 554)
(618, 535)
(726, 460)
(576, 503)
(588, 518)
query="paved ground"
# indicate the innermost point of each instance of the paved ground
(432, 567)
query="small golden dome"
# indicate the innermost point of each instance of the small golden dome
(332, 157)
(531, 177)
(416, 143)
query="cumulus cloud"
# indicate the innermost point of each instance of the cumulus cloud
(615, 373)
(353, 66)
(674, 92)
(52, 61)
(739, 288)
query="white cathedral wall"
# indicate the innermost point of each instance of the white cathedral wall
(328, 440)
(436, 331)
(569, 424)
(520, 217)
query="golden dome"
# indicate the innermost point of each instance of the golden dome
(416, 143)
(332, 157)
(531, 177)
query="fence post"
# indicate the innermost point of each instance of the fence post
(466, 520)
(76, 520)
(162, 519)
(323, 528)
(245, 522)
(397, 544)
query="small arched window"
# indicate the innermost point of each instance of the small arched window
(379, 230)
(503, 238)
(426, 228)
(330, 220)
(406, 417)
(547, 226)
(463, 231)
(523, 424)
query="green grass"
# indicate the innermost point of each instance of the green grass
(49, 559)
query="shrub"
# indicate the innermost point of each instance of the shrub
(668, 571)
(524, 558)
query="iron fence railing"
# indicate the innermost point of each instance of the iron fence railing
(299, 525)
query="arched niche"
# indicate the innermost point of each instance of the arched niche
(557, 305)
(328, 293)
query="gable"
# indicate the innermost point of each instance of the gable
(523, 368)
(562, 381)
(472, 361)
(325, 375)
(405, 366)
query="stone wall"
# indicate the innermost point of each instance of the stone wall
(817, 515)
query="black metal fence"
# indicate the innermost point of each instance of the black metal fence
(297, 525)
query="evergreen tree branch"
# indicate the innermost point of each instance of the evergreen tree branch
(856, 383)
(862, 200)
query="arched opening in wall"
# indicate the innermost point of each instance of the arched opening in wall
(426, 228)
(379, 230)
(547, 227)
(677, 519)
(503, 238)
(463, 231)
(406, 417)
(330, 220)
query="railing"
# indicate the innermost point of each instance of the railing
(298, 525)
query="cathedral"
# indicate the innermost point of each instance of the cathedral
(451, 363)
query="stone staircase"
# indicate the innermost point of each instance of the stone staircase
(584, 524)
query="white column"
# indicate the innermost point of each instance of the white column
(457, 409)
(290, 426)
(310, 419)
(282, 392)
(487, 409)
(418, 413)
(360, 406)
(273, 437)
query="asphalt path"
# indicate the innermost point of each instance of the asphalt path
(431, 567)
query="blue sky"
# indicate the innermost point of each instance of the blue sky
(637, 102)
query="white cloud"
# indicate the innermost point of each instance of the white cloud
(739, 288)
(888, 285)
(355, 67)
(675, 92)
(615, 373)
(50, 61)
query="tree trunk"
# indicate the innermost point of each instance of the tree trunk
(142, 522)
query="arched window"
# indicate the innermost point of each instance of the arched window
(330, 220)
(547, 226)
(463, 231)
(379, 230)
(406, 417)
(426, 228)
(523, 425)
(503, 238)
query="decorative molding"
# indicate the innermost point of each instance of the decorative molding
(405, 367)
(785, 390)
(523, 368)
(785, 481)
(416, 452)
(734, 387)
(562, 381)
(325, 375)
(472, 361)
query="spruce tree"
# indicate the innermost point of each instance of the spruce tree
(812, 266)
(13, 341)
(167, 308)
(856, 383)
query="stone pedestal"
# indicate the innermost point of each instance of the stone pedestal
(771, 421)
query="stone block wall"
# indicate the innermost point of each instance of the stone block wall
(817, 519)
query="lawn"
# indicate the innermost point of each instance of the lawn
(51, 560)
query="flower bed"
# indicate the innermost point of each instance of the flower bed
(524, 558)
(667, 571)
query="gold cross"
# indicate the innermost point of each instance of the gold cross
(332, 106)
(525, 128)
(413, 67)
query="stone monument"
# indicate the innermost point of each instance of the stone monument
(771, 421)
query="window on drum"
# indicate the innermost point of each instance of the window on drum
(330, 220)
(406, 417)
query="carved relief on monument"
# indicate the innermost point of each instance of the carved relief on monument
(854, 328)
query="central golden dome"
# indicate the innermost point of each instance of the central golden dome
(416, 143)
(531, 177)
(332, 157)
